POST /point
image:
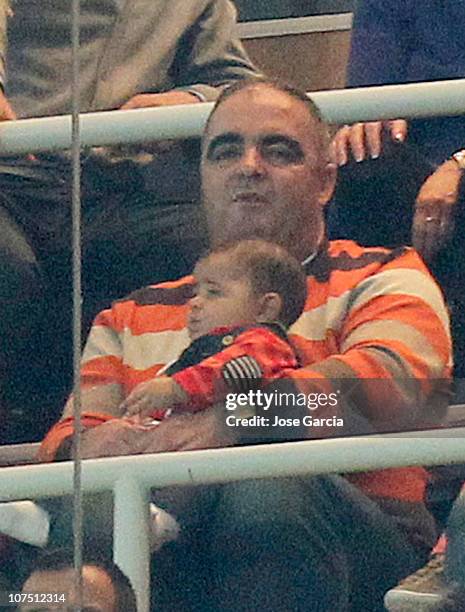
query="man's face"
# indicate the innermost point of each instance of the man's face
(220, 298)
(98, 591)
(263, 173)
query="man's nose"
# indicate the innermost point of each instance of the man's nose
(252, 161)
(195, 303)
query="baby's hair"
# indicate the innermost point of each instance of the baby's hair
(270, 268)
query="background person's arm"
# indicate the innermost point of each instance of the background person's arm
(209, 56)
(6, 112)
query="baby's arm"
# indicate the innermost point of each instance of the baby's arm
(160, 393)
(255, 355)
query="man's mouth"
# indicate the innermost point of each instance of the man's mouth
(193, 324)
(249, 197)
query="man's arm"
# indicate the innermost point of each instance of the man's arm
(6, 112)
(102, 370)
(255, 355)
(394, 363)
(101, 396)
(380, 43)
(209, 56)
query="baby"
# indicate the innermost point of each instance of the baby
(245, 297)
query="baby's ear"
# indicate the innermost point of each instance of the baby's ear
(270, 306)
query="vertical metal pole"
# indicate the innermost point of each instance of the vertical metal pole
(131, 541)
(77, 300)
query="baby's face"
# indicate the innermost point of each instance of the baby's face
(220, 298)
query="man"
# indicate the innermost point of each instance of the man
(51, 585)
(326, 543)
(136, 200)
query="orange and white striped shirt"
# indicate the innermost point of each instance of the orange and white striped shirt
(374, 329)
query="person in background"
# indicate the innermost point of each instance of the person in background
(140, 219)
(414, 169)
(51, 585)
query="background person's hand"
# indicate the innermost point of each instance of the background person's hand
(7, 114)
(433, 220)
(365, 140)
(169, 98)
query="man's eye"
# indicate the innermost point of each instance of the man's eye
(213, 292)
(282, 153)
(225, 152)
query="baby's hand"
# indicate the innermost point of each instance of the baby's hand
(143, 400)
(156, 394)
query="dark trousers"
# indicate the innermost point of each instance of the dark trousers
(278, 544)
(288, 545)
(140, 225)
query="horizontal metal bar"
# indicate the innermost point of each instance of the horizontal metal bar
(230, 464)
(165, 123)
(438, 98)
(267, 28)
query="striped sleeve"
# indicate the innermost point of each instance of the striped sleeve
(102, 372)
(102, 359)
(394, 350)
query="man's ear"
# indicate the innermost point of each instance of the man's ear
(270, 306)
(328, 183)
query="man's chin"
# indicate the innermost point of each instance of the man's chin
(244, 232)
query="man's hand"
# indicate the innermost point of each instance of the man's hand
(433, 221)
(177, 433)
(170, 98)
(203, 430)
(363, 140)
(113, 438)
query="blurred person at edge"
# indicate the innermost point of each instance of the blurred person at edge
(51, 585)
(402, 182)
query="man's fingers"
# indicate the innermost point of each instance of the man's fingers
(357, 141)
(338, 152)
(363, 140)
(373, 135)
(398, 129)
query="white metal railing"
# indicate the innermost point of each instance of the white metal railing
(150, 124)
(266, 28)
(130, 478)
